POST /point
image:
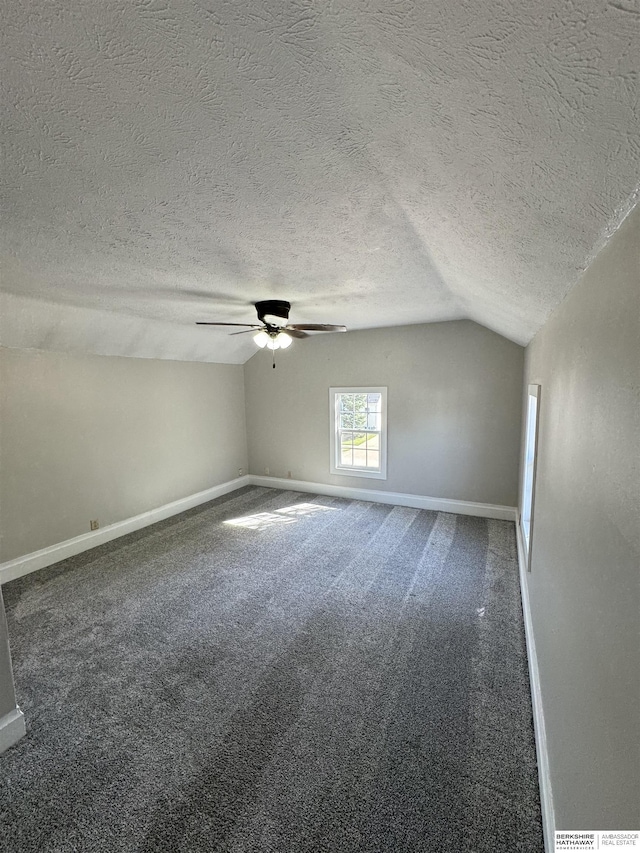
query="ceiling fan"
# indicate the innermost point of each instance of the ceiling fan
(274, 331)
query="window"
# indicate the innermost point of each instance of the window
(359, 431)
(529, 468)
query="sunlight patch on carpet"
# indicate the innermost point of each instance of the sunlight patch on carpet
(286, 515)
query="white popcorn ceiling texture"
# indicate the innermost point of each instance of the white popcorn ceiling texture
(376, 163)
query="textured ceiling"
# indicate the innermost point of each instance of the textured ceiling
(376, 163)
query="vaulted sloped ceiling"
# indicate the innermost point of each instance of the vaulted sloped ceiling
(377, 162)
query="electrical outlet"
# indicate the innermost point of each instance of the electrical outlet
(240, 472)
(94, 524)
(266, 471)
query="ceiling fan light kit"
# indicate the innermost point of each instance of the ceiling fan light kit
(279, 340)
(275, 332)
(283, 340)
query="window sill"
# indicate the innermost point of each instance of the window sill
(359, 472)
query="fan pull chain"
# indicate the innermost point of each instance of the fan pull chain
(273, 352)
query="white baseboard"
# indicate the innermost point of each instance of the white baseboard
(508, 513)
(11, 728)
(544, 774)
(13, 569)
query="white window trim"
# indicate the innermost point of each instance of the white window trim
(334, 424)
(527, 535)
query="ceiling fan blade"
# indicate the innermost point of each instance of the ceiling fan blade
(248, 325)
(316, 327)
(295, 333)
(244, 331)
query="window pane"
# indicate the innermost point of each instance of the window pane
(530, 446)
(373, 420)
(346, 454)
(374, 441)
(373, 458)
(373, 402)
(359, 452)
(353, 411)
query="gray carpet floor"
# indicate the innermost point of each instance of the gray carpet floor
(321, 675)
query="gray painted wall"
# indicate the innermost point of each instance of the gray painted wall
(84, 437)
(585, 577)
(454, 414)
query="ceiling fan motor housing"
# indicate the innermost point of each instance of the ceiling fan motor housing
(273, 308)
